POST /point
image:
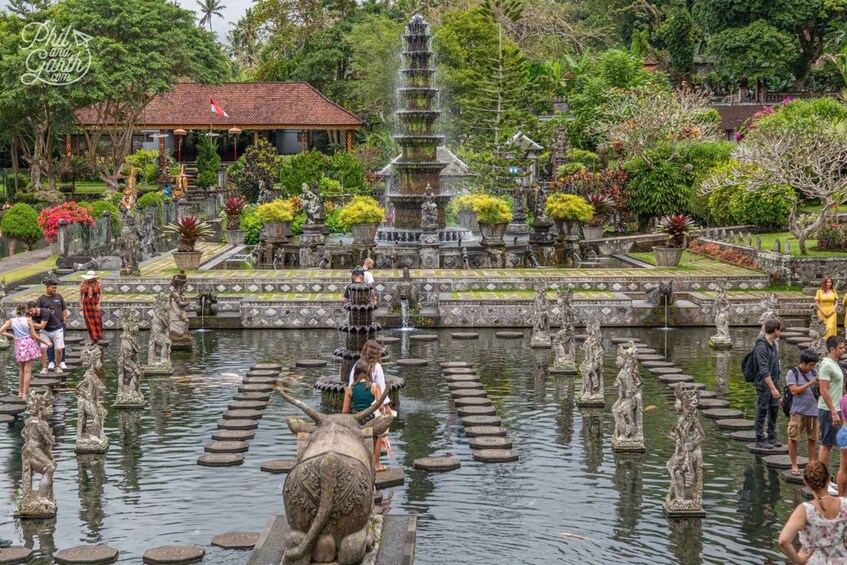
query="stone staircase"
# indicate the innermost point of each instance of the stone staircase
(194, 192)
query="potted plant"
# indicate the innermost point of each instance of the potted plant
(463, 205)
(277, 217)
(233, 207)
(595, 227)
(493, 216)
(20, 224)
(363, 214)
(189, 229)
(568, 211)
(677, 227)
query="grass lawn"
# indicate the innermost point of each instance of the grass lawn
(30, 270)
(768, 240)
(690, 261)
(90, 187)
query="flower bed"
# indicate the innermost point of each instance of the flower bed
(49, 218)
(730, 256)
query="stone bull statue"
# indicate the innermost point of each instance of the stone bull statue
(328, 495)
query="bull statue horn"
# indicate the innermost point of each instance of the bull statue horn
(310, 412)
(362, 416)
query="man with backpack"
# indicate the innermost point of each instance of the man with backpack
(766, 361)
(832, 389)
(800, 404)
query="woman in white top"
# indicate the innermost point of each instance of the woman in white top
(366, 267)
(821, 524)
(372, 355)
(26, 349)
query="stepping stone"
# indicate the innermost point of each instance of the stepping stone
(751, 447)
(648, 364)
(104, 342)
(412, 362)
(243, 415)
(722, 413)
(388, 339)
(391, 477)
(236, 540)
(619, 340)
(310, 363)
(74, 338)
(437, 463)
(271, 366)
(464, 335)
(481, 431)
(794, 479)
(674, 378)
(468, 421)
(247, 405)
(649, 357)
(255, 388)
(226, 447)
(44, 381)
(490, 442)
(706, 403)
(220, 460)
(238, 425)
(664, 370)
(6, 419)
(462, 378)
(644, 350)
(783, 461)
(173, 555)
(735, 424)
(478, 401)
(12, 399)
(509, 335)
(15, 554)
(495, 455)
(468, 393)
(744, 435)
(233, 435)
(260, 380)
(86, 554)
(464, 384)
(254, 396)
(795, 339)
(423, 337)
(476, 411)
(262, 373)
(278, 466)
(454, 364)
(705, 394)
(12, 409)
(459, 371)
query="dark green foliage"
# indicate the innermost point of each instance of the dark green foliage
(679, 36)
(767, 207)
(347, 170)
(259, 165)
(832, 237)
(152, 198)
(21, 222)
(251, 224)
(302, 168)
(100, 206)
(207, 162)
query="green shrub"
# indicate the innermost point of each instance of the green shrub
(334, 223)
(588, 158)
(568, 207)
(569, 169)
(148, 199)
(329, 186)
(348, 171)
(491, 210)
(768, 206)
(304, 167)
(207, 162)
(100, 206)
(276, 211)
(21, 222)
(361, 210)
(251, 224)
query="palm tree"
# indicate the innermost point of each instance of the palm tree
(210, 8)
(245, 40)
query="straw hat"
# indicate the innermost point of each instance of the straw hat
(89, 275)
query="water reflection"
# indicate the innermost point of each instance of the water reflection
(592, 437)
(757, 504)
(566, 391)
(721, 373)
(540, 371)
(129, 428)
(628, 482)
(686, 539)
(38, 535)
(91, 470)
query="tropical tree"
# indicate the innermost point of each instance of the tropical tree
(245, 40)
(210, 8)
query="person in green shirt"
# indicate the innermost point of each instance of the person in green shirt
(831, 382)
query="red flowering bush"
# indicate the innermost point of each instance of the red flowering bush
(727, 255)
(48, 219)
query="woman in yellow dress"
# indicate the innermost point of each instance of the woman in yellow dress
(826, 300)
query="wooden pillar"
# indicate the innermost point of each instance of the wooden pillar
(163, 159)
(68, 146)
(255, 138)
(349, 141)
(302, 141)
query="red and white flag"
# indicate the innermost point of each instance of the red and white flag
(215, 108)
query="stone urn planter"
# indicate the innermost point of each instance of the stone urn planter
(668, 256)
(492, 234)
(234, 237)
(593, 232)
(363, 234)
(468, 220)
(277, 231)
(567, 227)
(187, 260)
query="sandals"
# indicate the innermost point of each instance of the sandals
(380, 467)
(795, 472)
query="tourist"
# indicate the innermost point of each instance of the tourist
(767, 393)
(826, 301)
(357, 276)
(52, 335)
(53, 301)
(831, 382)
(372, 355)
(821, 523)
(26, 350)
(359, 396)
(89, 298)
(801, 381)
(366, 267)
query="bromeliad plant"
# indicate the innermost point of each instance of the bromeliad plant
(602, 205)
(233, 207)
(677, 227)
(189, 229)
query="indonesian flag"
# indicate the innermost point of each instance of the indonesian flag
(215, 108)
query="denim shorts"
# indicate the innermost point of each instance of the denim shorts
(828, 431)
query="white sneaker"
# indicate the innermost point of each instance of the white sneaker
(59, 371)
(43, 371)
(63, 366)
(833, 489)
(51, 366)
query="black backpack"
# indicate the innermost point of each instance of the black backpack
(749, 367)
(788, 398)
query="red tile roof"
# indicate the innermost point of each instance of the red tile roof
(250, 105)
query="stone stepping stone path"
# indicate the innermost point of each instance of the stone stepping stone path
(459, 371)
(255, 388)
(466, 378)
(44, 381)
(87, 555)
(247, 405)
(388, 339)
(252, 396)
(664, 370)
(412, 362)
(706, 403)
(783, 461)
(267, 366)
(243, 415)
(468, 393)
(391, 477)
(751, 447)
(440, 464)
(640, 350)
(72, 338)
(253, 374)
(722, 413)
(226, 447)
(793, 479)
(238, 425)
(464, 335)
(619, 340)
(735, 424)
(490, 442)
(495, 455)
(310, 363)
(12, 399)
(649, 364)
(236, 540)
(482, 431)
(472, 401)
(173, 555)
(6, 419)
(481, 421)
(12, 409)
(15, 554)
(454, 364)
(795, 339)
(233, 435)
(475, 411)
(278, 466)
(423, 337)
(674, 378)
(643, 357)
(704, 394)
(220, 460)
(509, 335)
(464, 385)
(744, 435)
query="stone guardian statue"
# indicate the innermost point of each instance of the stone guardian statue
(91, 412)
(564, 342)
(37, 457)
(628, 409)
(721, 309)
(591, 367)
(178, 313)
(129, 371)
(540, 319)
(685, 496)
(159, 350)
